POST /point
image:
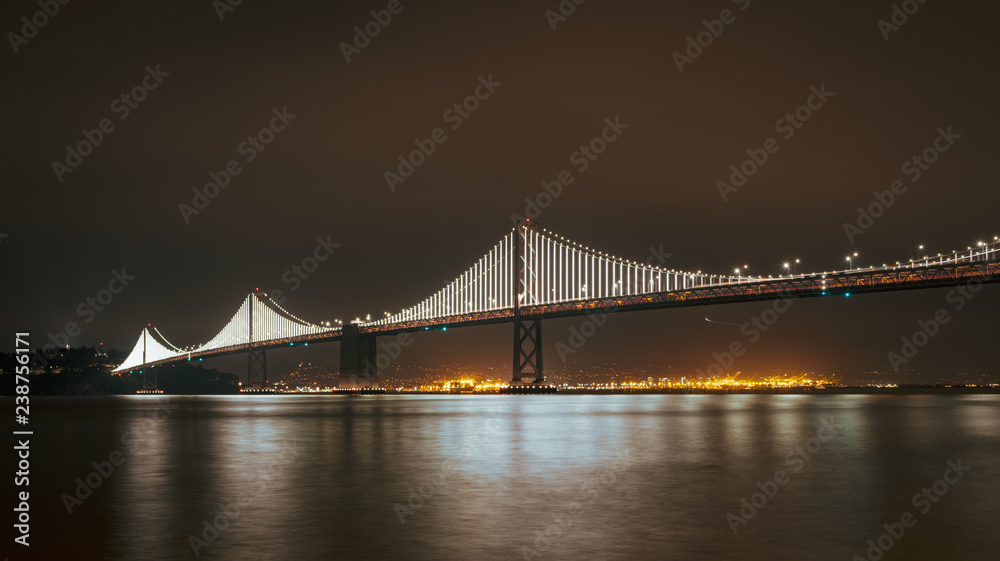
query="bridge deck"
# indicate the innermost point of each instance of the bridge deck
(796, 286)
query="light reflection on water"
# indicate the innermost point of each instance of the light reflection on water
(320, 477)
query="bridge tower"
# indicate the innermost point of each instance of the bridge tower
(256, 357)
(527, 332)
(149, 382)
(357, 359)
(257, 368)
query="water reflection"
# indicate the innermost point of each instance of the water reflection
(491, 477)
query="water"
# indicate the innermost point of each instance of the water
(607, 477)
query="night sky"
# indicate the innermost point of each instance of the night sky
(654, 187)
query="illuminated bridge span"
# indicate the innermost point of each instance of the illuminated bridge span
(532, 274)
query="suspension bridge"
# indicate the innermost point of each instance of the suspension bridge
(530, 275)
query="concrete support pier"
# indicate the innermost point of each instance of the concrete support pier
(357, 360)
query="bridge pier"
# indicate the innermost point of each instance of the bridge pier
(257, 368)
(149, 381)
(527, 350)
(357, 359)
